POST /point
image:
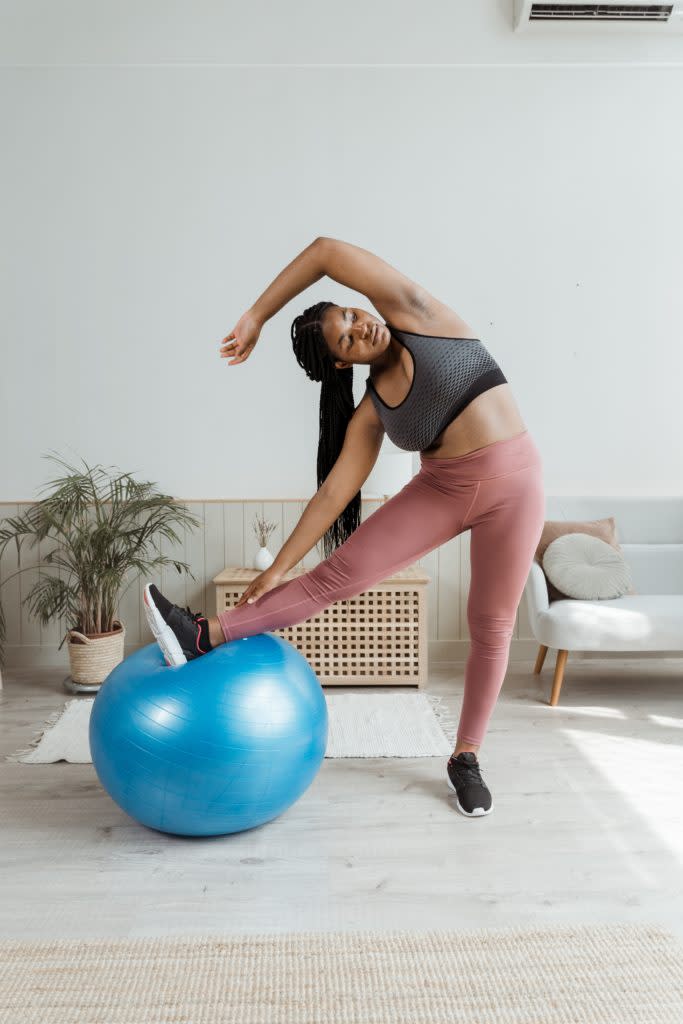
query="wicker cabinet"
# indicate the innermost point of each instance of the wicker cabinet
(376, 638)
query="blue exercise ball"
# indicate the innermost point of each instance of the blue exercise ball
(220, 744)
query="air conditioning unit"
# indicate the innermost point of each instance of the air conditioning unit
(668, 17)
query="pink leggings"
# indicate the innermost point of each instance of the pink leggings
(497, 493)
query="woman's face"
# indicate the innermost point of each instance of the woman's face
(354, 335)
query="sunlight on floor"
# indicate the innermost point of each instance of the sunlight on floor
(591, 711)
(670, 723)
(639, 773)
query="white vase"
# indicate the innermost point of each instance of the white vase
(263, 559)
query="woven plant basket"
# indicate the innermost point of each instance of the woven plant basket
(94, 655)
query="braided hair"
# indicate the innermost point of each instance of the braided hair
(336, 410)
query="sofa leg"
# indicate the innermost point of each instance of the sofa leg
(540, 658)
(560, 662)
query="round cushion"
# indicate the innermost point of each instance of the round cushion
(586, 567)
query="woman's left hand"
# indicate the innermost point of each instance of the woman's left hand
(259, 586)
(238, 345)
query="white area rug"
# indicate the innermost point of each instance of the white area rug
(360, 725)
(604, 974)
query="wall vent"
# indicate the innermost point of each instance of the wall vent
(668, 16)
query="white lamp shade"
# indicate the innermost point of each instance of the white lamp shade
(392, 471)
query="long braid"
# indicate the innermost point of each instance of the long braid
(336, 409)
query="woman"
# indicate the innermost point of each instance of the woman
(433, 388)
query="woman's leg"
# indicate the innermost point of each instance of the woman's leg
(416, 520)
(506, 523)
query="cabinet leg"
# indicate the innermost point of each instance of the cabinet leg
(540, 658)
(557, 679)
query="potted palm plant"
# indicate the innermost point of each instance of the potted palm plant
(103, 527)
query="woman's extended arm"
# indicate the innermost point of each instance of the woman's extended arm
(385, 286)
(390, 291)
(319, 514)
(362, 444)
(303, 271)
(359, 453)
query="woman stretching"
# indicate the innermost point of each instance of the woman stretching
(434, 388)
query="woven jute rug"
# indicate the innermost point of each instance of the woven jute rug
(608, 974)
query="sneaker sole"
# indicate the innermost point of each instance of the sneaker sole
(163, 634)
(478, 812)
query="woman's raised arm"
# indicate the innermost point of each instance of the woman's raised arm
(298, 275)
(390, 291)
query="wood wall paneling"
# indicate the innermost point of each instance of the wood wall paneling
(225, 536)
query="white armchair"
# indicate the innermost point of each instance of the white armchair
(650, 533)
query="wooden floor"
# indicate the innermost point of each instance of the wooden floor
(587, 827)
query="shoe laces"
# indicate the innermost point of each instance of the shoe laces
(195, 616)
(468, 771)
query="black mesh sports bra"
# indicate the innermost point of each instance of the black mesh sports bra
(448, 373)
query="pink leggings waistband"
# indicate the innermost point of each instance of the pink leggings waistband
(495, 459)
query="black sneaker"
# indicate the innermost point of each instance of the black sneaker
(180, 633)
(472, 795)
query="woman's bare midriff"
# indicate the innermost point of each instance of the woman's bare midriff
(492, 416)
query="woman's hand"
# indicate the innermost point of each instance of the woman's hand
(259, 586)
(237, 345)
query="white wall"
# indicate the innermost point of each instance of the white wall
(534, 185)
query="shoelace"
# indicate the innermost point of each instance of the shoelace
(195, 616)
(469, 772)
